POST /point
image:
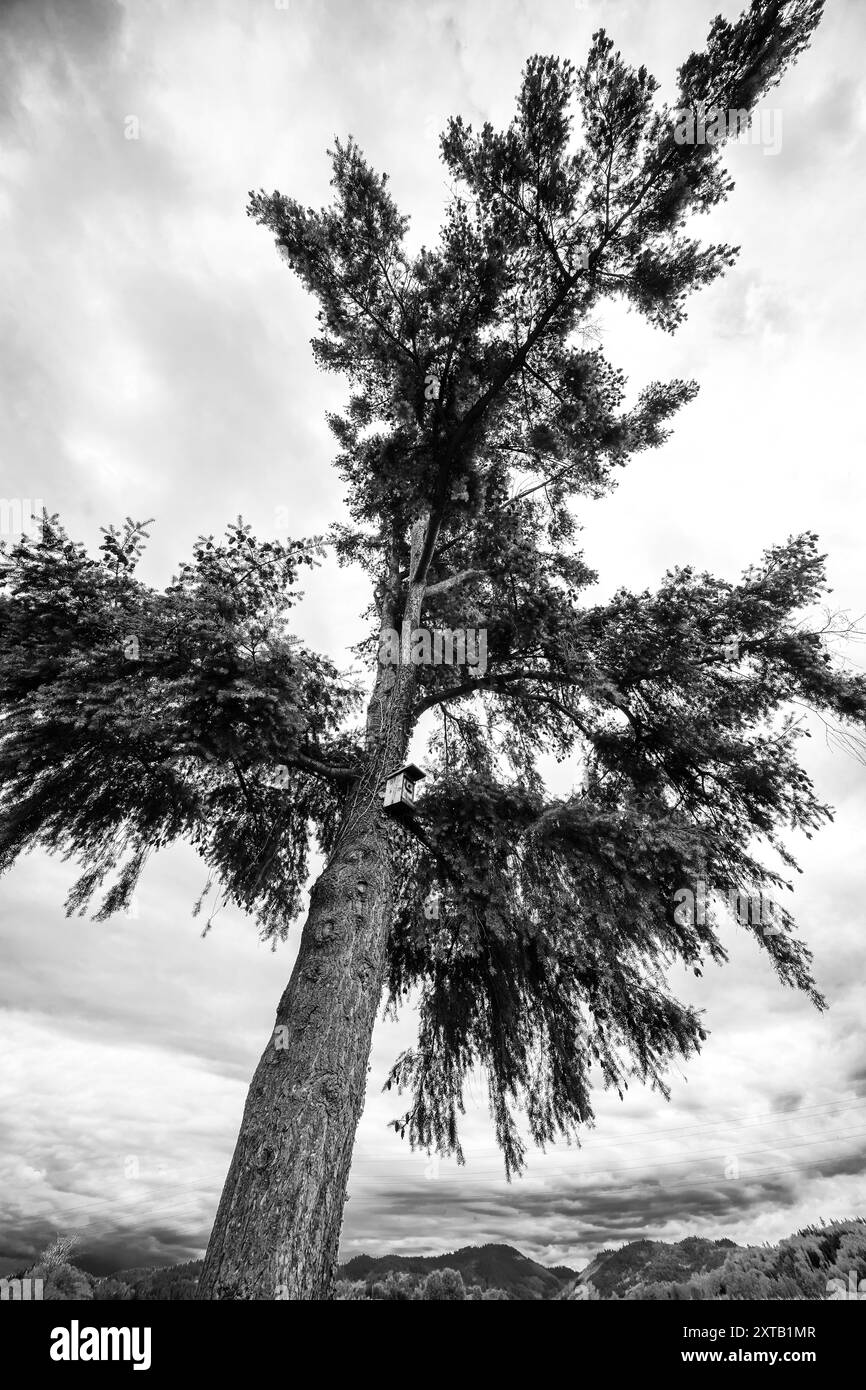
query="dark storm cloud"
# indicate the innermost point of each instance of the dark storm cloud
(584, 1216)
(126, 1247)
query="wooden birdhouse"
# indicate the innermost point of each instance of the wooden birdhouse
(399, 799)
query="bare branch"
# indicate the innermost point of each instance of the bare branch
(443, 586)
(335, 772)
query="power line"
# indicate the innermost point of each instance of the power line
(475, 1171)
(755, 1123)
(472, 1177)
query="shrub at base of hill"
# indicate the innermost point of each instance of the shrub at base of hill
(440, 1285)
(63, 1282)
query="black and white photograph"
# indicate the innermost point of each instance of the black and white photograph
(433, 663)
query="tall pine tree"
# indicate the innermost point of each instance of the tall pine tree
(536, 932)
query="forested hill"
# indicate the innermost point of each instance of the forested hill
(490, 1266)
(653, 1262)
(819, 1262)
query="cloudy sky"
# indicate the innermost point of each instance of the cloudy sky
(155, 362)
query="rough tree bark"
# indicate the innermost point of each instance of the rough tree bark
(277, 1228)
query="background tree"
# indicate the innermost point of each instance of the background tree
(62, 1280)
(480, 410)
(445, 1285)
(112, 1291)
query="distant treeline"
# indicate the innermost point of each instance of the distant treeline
(826, 1261)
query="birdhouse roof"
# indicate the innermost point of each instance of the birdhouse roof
(408, 770)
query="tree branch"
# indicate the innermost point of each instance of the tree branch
(336, 772)
(493, 683)
(443, 586)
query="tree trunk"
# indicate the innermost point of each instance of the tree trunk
(277, 1228)
(278, 1224)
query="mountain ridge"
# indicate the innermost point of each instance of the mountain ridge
(491, 1265)
(816, 1262)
